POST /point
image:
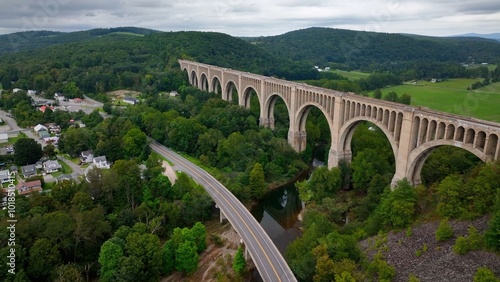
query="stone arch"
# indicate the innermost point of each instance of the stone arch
(491, 147)
(347, 131)
(418, 156)
(268, 108)
(246, 95)
(204, 82)
(302, 113)
(193, 78)
(228, 90)
(297, 135)
(216, 85)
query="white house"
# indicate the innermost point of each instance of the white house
(51, 166)
(40, 127)
(130, 100)
(59, 97)
(174, 94)
(87, 156)
(15, 90)
(101, 162)
(5, 176)
(31, 92)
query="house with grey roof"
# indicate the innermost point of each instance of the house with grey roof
(101, 162)
(51, 166)
(28, 170)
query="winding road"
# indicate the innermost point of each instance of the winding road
(268, 260)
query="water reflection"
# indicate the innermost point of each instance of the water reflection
(277, 213)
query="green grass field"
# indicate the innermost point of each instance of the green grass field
(452, 96)
(352, 75)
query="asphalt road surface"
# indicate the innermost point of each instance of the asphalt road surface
(269, 261)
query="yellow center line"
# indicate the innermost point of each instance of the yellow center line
(234, 209)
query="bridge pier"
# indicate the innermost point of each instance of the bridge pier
(335, 157)
(222, 216)
(266, 122)
(298, 140)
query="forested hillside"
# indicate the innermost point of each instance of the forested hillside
(118, 60)
(370, 50)
(32, 40)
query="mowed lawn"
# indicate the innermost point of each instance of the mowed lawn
(352, 75)
(452, 96)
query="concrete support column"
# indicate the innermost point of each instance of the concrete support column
(336, 156)
(222, 216)
(266, 122)
(486, 146)
(497, 152)
(298, 140)
(408, 133)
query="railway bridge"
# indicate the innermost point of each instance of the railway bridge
(413, 132)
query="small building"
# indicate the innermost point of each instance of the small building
(4, 137)
(13, 169)
(130, 100)
(44, 134)
(101, 162)
(77, 100)
(87, 156)
(24, 188)
(28, 170)
(174, 94)
(15, 90)
(59, 97)
(5, 176)
(51, 166)
(32, 92)
(40, 127)
(39, 165)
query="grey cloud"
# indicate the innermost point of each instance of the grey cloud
(253, 18)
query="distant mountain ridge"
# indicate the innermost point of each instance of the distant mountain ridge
(32, 40)
(494, 36)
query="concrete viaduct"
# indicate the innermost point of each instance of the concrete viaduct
(412, 132)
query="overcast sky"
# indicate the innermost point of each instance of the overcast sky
(254, 18)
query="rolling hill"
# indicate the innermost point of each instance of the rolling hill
(359, 49)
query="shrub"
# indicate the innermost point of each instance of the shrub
(409, 232)
(444, 231)
(379, 267)
(413, 278)
(492, 235)
(461, 246)
(484, 274)
(474, 241)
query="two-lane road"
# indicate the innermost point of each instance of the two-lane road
(269, 261)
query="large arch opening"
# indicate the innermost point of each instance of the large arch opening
(204, 82)
(250, 100)
(193, 79)
(278, 114)
(216, 85)
(231, 92)
(373, 154)
(434, 161)
(313, 122)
